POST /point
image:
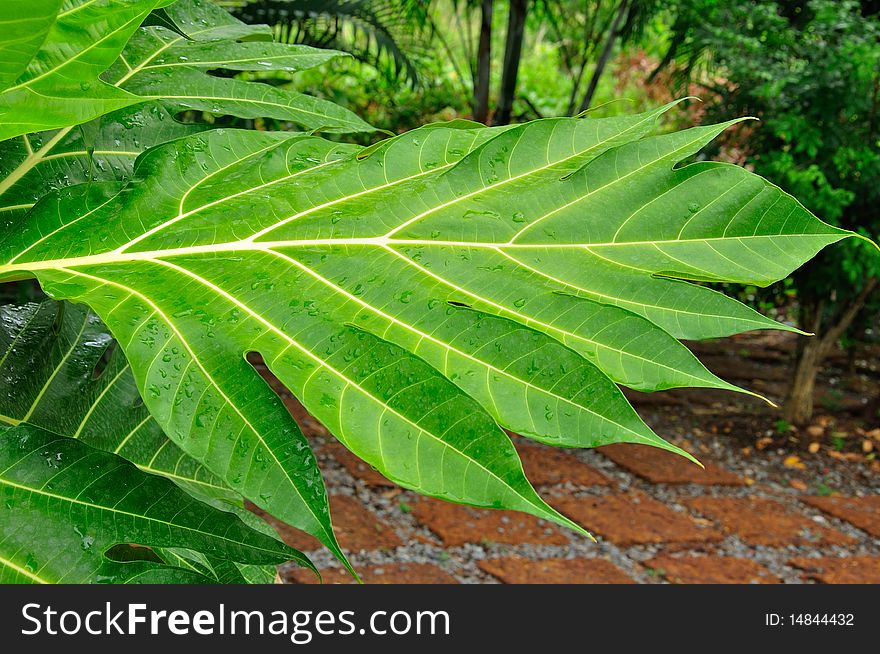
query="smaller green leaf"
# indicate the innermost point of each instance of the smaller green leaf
(162, 65)
(60, 84)
(170, 60)
(65, 504)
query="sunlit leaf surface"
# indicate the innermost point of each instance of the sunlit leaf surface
(417, 294)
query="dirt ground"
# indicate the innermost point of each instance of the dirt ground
(774, 504)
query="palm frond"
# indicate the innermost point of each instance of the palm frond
(389, 35)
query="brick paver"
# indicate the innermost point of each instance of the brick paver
(759, 521)
(393, 573)
(834, 570)
(517, 570)
(633, 518)
(546, 465)
(457, 525)
(863, 512)
(662, 467)
(709, 570)
(357, 528)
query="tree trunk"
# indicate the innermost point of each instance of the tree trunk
(798, 406)
(516, 20)
(613, 32)
(484, 63)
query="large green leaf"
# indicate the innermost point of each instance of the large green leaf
(361, 276)
(60, 83)
(48, 353)
(65, 504)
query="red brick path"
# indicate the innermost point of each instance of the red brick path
(656, 517)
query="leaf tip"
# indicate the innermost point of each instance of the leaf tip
(770, 402)
(583, 532)
(547, 512)
(865, 238)
(739, 389)
(680, 451)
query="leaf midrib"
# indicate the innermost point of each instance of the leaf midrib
(116, 257)
(160, 256)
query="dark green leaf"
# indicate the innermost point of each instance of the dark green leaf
(65, 504)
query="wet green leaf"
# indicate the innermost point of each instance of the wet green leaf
(59, 84)
(49, 353)
(69, 510)
(166, 73)
(410, 299)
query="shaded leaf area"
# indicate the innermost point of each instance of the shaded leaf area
(103, 149)
(164, 69)
(69, 510)
(225, 572)
(413, 294)
(58, 84)
(49, 353)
